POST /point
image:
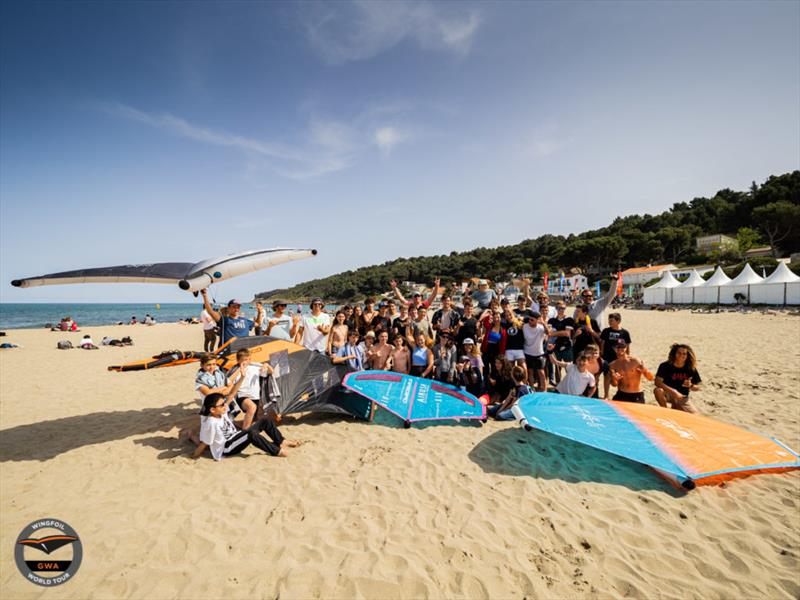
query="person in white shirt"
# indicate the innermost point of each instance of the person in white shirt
(209, 331)
(535, 332)
(249, 393)
(261, 317)
(315, 327)
(578, 381)
(220, 435)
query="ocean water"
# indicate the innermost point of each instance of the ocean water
(33, 316)
(16, 316)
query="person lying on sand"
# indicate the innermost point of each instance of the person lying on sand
(220, 435)
(87, 343)
(626, 375)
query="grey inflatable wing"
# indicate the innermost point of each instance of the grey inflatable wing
(153, 273)
(188, 276)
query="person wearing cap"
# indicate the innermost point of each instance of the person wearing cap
(626, 375)
(281, 325)
(484, 295)
(416, 297)
(315, 327)
(381, 321)
(608, 339)
(231, 324)
(598, 307)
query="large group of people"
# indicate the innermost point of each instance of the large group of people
(488, 344)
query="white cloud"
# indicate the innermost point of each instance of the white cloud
(359, 30)
(326, 147)
(386, 138)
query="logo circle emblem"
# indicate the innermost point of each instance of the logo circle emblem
(48, 552)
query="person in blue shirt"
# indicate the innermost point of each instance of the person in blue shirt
(350, 353)
(231, 324)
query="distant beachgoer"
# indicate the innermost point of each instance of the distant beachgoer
(338, 334)
(231, 324)
(351, 353)
(676, 377)
(220, 435)
(400, 359)
(577, 381)
(209, 331)
(87, 343)
(149, 320)
(608, 340)
(502, 411)
(133, 321)
(422, 360)
(314, 328)
(626, 375)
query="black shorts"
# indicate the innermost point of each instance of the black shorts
(240, 402)
(537, 363)
(629, 397)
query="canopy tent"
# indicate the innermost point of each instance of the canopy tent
(741, 284)
(781, 287)
(708, 293)
(661, 291)
(684, 293)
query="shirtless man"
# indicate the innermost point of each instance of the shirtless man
(626, 375)
(379, 354)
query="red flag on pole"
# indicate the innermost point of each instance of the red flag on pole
(619, 283)
(546, 276)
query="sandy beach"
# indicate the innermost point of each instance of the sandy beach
(376, 511)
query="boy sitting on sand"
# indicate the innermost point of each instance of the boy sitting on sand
(249, 392)
(220, 435)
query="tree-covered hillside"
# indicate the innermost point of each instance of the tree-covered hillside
(765, 214)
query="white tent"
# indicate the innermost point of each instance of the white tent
(781, 287)
(661, 291)
(741, 284)
(708, 293)
(684, 293)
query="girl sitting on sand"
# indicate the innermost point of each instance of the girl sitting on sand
(220, 435)
(502, 412)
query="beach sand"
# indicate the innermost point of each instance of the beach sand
(377, 511)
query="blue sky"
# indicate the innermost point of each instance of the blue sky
(147, 132)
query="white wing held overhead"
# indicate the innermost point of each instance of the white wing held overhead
(189, 276)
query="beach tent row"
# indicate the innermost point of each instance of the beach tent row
(781, 287)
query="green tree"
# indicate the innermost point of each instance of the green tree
(778, 221)
(747, 238)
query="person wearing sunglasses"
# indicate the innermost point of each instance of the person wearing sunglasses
(315, 327)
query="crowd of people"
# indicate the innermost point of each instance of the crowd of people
(492, 346)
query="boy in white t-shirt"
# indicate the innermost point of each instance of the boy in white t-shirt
(221, 436)
(578, 381)
(249, 392)
(315, 327)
